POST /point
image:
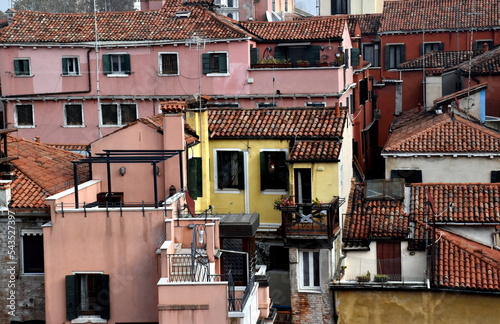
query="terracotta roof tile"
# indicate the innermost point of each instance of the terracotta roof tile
(369, 219)
(304, 123)
(465, 264)
(487, 63)
(443, 15)
(438, 59)
(423, 132)
(330, 27)
(69, 147)
(41, 27)
(41, 171)
(305, 151)
(369, 23)
(472, 203)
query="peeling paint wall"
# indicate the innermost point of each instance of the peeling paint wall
(377, 307)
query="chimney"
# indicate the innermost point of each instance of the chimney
(485, 47)
(337, 109)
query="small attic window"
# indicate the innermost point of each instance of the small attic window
(183, 14)
(385, 189)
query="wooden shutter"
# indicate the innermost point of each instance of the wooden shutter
(254, 55)
(241, 171)
(389, 259)
(495, 176)
(195, 178)
(387, 57)
(346, 58)
(363, 91)
(263, 171)
(65, 66)
(403, 54)
(127, 68)
(206, 63)
(106, 64)
(71, 297)
(223, 63)
(103, 296)
(313, 54)
(355, 56)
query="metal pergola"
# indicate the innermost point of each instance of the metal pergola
(128, 156)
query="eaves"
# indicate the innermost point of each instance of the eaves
(430, 31)
(429, 155)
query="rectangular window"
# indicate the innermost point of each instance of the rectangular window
(273, 170)
(480, 44)
(371, 54)
(230, 170)
(316, 104)
(73, 115)
(215, 63)
(168, 64)
(389, 259)
(495, 176)
(339, 7)
(309, 270)
(70, 65)
(24, 115)
(410, 176)
(22, 67)
(267, 104)
(394, 55)
(118, 114)
(116, 64)
(87, 295)
(429, 47)
(32, 253)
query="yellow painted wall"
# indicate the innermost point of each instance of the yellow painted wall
(382, 307)
(324, 176)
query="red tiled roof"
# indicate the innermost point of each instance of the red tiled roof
(487, 63)
(473, 203)
(304, 123)
(323, 28)
(369, 23)
(69, 147)
(442, 15)
(304, 151)
(41, 27)
(41, 171)
(423, 132)
(438, 59)
(367, 219)
(465, 264)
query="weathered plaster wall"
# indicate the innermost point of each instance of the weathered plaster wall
(377, 307)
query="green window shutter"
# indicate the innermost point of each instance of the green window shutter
(65, 66)
(127, 68)
(106, 64)
(387, 57)
(254, 55)
(195, 178)
(422, 46)
(206, 63)
(223, 63)
(346, 58)
(241, 172)
(403, 54)
(263, 171)
(71, 297)
(280, 52)
(17, 67)
(313, 54)
(354, 56)
(103, 296)
(441, 46)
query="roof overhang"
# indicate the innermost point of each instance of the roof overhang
(238, 225)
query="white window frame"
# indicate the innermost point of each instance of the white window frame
(394, 45)
(301, 271)
(216, 175)
(26, 232)
(16, 120)
(424, 44)
(266, 104)
(215, 74)
(319, 104)
(76, 66)
(275, 191)
(119, 112)
(66, 118)
(29, 67)
(160, 65)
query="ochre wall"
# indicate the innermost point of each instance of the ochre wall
(377, 307)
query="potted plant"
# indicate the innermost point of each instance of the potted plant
(364, 278)
(271, 62)
(380, 278)
(302, 63)
(284, 201)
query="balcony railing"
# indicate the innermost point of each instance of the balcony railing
(305, 221)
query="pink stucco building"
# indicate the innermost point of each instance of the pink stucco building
(117, 253)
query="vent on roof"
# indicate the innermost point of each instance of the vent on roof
(183, 14)
(385, 189)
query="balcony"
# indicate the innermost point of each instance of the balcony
(310, 222)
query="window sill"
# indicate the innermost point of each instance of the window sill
(310, 290)
(229, 191)
(74, 126)
(25, 126)
(23, 76)
(111, 125)
(29, 274)
(71, 75)
(84, 320)
(168, 74)
(217, 74)
(118, 75)
(274, 192)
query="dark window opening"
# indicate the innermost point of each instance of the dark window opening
(273, 170)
